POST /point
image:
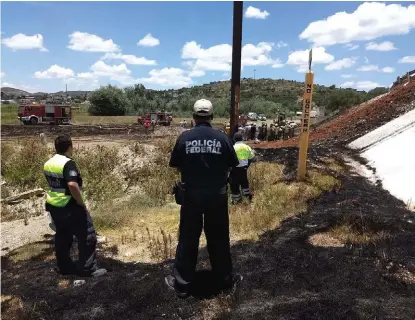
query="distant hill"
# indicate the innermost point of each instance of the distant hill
(13, 92)
(17, 92)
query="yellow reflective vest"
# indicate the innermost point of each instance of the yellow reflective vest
(244, 153)
(58, 195)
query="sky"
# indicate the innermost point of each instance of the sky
(164, 45)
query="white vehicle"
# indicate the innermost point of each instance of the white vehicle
(262, 117)
(252, 116)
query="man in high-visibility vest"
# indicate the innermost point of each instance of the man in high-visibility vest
(65, 203)
(239, 175)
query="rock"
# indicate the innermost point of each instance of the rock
(101, 239)
(78, 283)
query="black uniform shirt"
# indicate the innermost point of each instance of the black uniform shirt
(71, 173)
(204, 155)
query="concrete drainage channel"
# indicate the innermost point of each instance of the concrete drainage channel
(360, 169)
(390, 152)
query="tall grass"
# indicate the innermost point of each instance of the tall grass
(9, 114)
(22, 164)
(274, 199)
(22, 168)
(150, 209)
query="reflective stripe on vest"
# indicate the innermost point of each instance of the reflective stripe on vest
(53, 168)
(244, 153)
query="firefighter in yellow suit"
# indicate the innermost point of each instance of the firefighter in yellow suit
(239, 175)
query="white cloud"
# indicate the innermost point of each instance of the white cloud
(255, 13)
(347, 76)
(372, 67)
(407, 59)
(366, 60)
(257, 55)
(219, 57)
(167, 77)
(102, 69)
(277, 64)
(118, 73)
(302, 68)
(7, 84)
(369, 67)
(129, 59)
(82, 41)
(197, 73)
(341, 64)
(388, 69)
(281, 44)
(300, 58)
(148, 41)
(361, 85)
(369, 21)
(383, 46)
(352, 47)
(85, 75)
(54, 71)
(23, 42)
(2, 75)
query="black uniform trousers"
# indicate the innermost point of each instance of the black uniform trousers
(74, 220)
(239, 180)
(198, 211)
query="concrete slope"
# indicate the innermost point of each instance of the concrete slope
(390, 149)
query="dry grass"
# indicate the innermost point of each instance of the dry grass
(274, 200)
(154, 217)
(349, 233)
(151, 210)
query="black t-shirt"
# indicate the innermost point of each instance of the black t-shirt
(204, 155)
(71, 173)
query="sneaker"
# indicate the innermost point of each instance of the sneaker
(171, 282)
(233, 280)
(99, 272)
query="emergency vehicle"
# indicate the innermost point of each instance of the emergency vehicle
(159, 118)
(49, 113)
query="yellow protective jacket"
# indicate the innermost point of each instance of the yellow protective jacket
(244, 153)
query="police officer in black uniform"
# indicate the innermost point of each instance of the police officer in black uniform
(65, 203)
(204, 157)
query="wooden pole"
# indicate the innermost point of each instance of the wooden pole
(305, 123)
(236, 65)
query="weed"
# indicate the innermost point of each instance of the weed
(161, 247)
(97, 166)
(22, 166)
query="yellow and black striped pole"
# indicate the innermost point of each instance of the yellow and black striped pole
(305, 121)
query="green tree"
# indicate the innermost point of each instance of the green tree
(109, 101)
(376, 92)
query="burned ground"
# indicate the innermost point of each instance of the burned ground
(287, 273)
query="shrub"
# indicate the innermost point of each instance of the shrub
(22, 164)
(109, 101)
(97, 167)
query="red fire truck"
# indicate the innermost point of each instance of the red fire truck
(49, 113)
(159, 118)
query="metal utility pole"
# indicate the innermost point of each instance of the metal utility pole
(236, 64)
